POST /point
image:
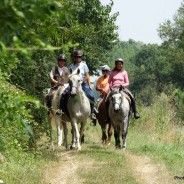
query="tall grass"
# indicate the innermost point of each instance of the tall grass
(159, 135)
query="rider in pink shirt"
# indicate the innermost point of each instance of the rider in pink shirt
(119, 77)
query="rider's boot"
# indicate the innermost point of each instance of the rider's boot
(136, 114)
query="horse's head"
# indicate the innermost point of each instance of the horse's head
(116, 98)
(74, 82)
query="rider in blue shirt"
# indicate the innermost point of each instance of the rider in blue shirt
(85, 77)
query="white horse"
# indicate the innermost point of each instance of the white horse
(119, 113)
(55, 116)
(78, 107)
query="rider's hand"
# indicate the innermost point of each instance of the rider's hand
(90, 87)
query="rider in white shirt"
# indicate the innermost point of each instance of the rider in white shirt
(84, 72)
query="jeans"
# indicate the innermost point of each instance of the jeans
(88, 92)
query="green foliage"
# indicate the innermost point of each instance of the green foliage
(151, 72)
(172, 33)
(15, 118)
(179, 100)
(32, 34)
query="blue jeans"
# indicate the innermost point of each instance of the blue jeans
(88, 92)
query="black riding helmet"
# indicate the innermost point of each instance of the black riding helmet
(77, 53)
(62, 57)
(119, 60)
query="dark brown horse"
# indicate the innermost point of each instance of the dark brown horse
(104, 122)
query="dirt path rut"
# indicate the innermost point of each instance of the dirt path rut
(147, 172)
(65, 171)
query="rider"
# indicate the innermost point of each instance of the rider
(119, 77)
(86, 85)
(102, 80)
(59, 71)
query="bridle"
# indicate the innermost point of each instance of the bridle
(115, 102)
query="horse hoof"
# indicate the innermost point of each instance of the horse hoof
(67, 147)
(71, 147)
(107, 143)
(118, 147)
(124, 148)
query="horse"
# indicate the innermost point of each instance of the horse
(78, 107)
(54, 115)
(104, 121)
(119, 113)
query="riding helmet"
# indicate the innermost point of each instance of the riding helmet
(62, 57)
(119, 60)
(77, 53)
(105, 67)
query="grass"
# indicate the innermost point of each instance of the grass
(22, 171)
(109, 165)
(170, 153)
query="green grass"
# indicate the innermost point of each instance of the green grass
(24, 170)
(110, 166)
(146, 143)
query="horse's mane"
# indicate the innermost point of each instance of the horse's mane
(115, 91)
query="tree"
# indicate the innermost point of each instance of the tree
(172, 33)
(151, 73)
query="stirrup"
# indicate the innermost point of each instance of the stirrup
(136, 115)
(59, 112)
(93, 116)
(95, 110)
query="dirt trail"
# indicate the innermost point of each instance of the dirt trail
(143, 169)
(65, 171)
(147, 172)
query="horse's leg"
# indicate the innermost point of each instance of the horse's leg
(110, 128)
(77, 135)
(73, 136)
(117, 136)
(125, 130)
(65, 128)
(49, 118)
(104, 136)
(82, 132)
(59, 129)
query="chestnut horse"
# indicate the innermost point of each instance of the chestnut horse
(104, 122)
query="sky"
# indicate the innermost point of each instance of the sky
(140, 19)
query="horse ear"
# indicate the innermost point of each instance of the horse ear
(71, 71)
(78, 71)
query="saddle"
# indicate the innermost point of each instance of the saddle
(127, 97)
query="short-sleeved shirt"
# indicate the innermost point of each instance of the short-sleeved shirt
(82, 66)
(101, 82)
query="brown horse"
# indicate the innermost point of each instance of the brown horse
(103, 120)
